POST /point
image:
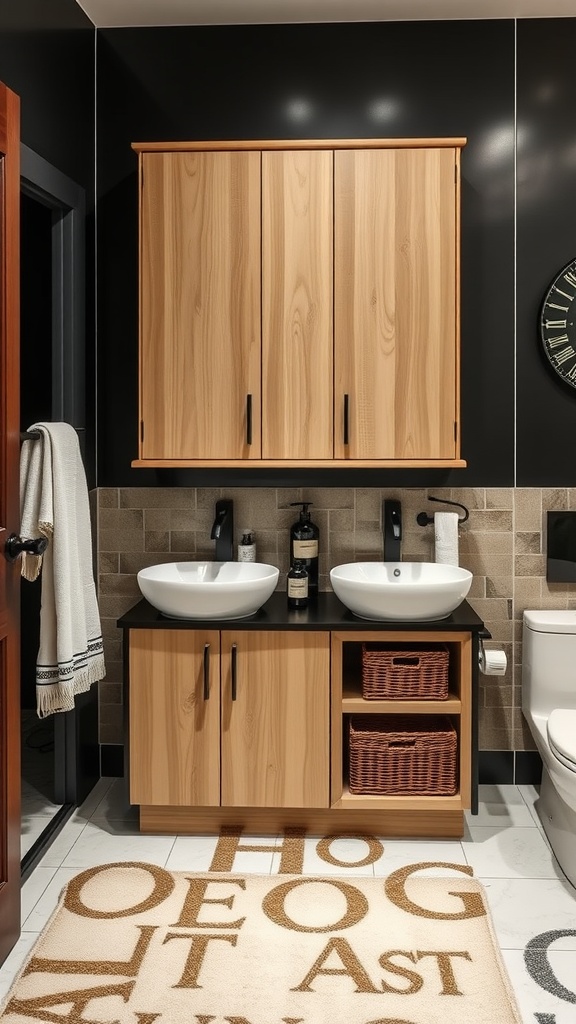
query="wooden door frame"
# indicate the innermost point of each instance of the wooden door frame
(9, 522)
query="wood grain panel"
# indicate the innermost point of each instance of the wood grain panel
(396, 302)
(297, 463)
(200, 304)
(275, 735)
(445, 820)
(297, 338)
(463, 655)
(271, 144)
(174, 731)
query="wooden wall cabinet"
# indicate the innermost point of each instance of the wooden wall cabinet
(231, 718)
(299, 303)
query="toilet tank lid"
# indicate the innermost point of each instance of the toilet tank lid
(560, 621)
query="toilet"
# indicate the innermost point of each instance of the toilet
(549, 707)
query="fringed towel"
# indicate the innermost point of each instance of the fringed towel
(54, 504)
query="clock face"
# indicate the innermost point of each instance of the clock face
(558, 324)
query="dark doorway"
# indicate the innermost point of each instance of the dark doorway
(60, 754)
(39, 803)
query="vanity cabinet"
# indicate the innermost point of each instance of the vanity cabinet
(347, 701)
(174, 723)
(299, 303)
(248, 726)
(229, 718)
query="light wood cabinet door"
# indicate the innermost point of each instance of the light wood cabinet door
(297, 333)
(175, 717)
(395, 241)
(200, 345)
(275, 719)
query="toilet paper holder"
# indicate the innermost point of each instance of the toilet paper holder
(491, 662)
(424, 519)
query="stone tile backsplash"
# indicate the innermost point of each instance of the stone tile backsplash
(503, 544)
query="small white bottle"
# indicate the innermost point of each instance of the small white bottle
(247, 547)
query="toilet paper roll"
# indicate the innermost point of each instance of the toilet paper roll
(492, 663)
(446, 537)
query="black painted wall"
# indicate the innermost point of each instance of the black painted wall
(47, 56)
(546, 204)
(358, 80)
(435, 78)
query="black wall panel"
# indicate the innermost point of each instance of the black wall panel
(47, 57)
(307, 81)
(546, 202)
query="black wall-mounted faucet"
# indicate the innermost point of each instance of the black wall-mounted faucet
(223, 530)
(392, 530)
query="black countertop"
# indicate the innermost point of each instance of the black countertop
(327, 613)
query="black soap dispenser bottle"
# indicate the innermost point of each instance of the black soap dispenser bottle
(304, 543)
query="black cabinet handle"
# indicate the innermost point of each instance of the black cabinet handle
(248, 419)
(206, 671)
(346, 419)
(234, 670)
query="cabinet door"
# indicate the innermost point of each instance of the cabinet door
(200, 305)
(275, 719)
(175, 717)
(297, 334)
(395, 239)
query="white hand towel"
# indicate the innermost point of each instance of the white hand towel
(54, 504)
(446, 537)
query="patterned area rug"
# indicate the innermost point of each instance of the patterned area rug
(136, 944)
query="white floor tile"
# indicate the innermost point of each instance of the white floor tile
(14, 962)
(42, 911)
(530, 995)
(500, 807)
(397, 853)
(31, 829)
(33, 888)
(344, 856)
(525, 907)
(192, 853)
(63, 843)
(509, 853)
(96, 845)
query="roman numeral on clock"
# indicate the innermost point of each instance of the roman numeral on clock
(555, 325)
(554, 343)
(565, 354)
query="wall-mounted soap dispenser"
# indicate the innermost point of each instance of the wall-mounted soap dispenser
(304, 545)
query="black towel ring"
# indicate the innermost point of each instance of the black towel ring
(424, 519)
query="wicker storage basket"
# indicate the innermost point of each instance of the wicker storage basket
(405, 672)
(403, 755)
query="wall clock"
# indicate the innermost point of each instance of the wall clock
(558, 324)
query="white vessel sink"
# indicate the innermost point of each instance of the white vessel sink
(400, 590)
(208, 590)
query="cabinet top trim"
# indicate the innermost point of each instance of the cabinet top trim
(240, 144)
